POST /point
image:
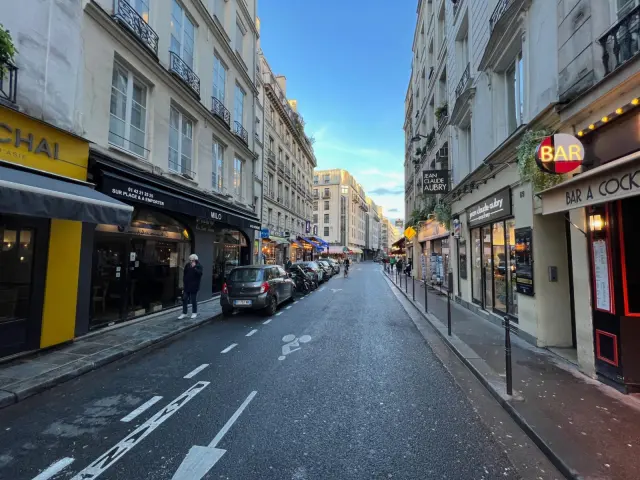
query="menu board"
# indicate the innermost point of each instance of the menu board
(523, 260)
(601, 275)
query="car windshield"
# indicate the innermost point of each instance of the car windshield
(246, 275)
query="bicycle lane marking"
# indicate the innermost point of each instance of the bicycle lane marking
(115, 453)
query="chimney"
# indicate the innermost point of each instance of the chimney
(294, 105)
(282, 81)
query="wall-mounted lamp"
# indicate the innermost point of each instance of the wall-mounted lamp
(596, 223)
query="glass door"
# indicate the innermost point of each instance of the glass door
(108, 279)
(499, 268)
(487, 268)
(476, 267)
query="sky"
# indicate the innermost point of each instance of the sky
(348, 64)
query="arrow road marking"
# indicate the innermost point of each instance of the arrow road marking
(54, 469)
(200, 460)
(102, 463)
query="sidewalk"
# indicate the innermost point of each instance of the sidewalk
(593, 429)
(32, 374)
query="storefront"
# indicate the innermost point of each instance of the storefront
(434, 245)
(493, 254)
(47, 215)
(138, 267)
(607, 198)
(311, 248)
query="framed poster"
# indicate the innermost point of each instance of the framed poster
(462, 258)
(524, 261)
(601, 276)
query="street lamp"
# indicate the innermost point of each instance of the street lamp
(417, 137)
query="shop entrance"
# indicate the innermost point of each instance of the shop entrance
(21, 292)
(137, 269)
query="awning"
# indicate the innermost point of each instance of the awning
(312, 243)
(612, 181)
(319, 241)
(399, 243)
(334, 249)
(296, 243)
(355, 250)
(26, 193)
(277, 240)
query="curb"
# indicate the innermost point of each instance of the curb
(62, 374)
(555, 459)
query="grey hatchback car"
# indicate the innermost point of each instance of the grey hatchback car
(259, 287)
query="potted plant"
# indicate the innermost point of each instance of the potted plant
(7, 50)
(441, 111)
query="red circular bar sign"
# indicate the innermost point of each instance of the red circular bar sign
(560, 153)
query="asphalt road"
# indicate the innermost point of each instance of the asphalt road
(357, 394)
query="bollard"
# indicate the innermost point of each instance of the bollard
(425, 295)
(449, 312)
(507, 353)
(406, 283)
(413, 288)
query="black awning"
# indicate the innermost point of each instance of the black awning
(26, 193)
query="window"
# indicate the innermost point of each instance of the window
(271, 114)
(286, 221)
(515, 93)
(279, 191)
(142, 7)
(180, 142)
(270, 183)
(217, 177)
(326, 218)
(326, 231)
(240, 33)
(237, 176)
(127, 124)
(279, 154)
(270, 216)
(271, 144)
(218, 10)
(315, 205)
(327, 178)
(326, 204)
(326, 193)
(315, 218)
(238, 110)
(182, 34)
(219, 79)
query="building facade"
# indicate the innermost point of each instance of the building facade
(289, 164)
(373, 231)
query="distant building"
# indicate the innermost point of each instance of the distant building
(399, 223)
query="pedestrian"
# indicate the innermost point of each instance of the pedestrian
(191, 284)
(287, 265)
(409, 266)
(399, 265)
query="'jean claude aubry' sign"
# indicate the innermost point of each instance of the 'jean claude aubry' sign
(492, 208)
(435, 181)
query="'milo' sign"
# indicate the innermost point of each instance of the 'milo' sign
(560, 153)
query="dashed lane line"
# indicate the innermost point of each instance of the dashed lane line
(54, 469)
(267, 322)
(196, 371)
(229, 348)
(251, 333)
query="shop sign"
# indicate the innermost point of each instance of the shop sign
(435, 181)
(593, 189)
(492, 208)
(524, 260)
(559, 154)
(307, 226)
(34, 144)
(264, 233)
(315, 230)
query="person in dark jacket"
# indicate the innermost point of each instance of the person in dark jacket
(287, 264)
(191, 282)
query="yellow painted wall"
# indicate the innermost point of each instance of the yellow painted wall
(61, 291)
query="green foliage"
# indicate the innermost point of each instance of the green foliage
(7, 49)
(441, 110)
(527, 167)
(443, 214)
(422, 214)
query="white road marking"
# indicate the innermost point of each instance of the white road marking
(288, 307)
(295, 301)
(196, 371)
(102, 463)
(54, 468)
(267, 322)
(291, 341)
(334, 290)
(141, 408)
(200, 460)
(251, 333)
(278, 314)
(229, 348)
(322, 289)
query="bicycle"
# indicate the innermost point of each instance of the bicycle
(346, 272)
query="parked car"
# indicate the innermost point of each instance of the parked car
(259, 287)
(314, 269)
(334, 264)
(328, 269)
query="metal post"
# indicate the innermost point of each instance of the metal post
(449, 312)
(406, 283)
(507, 353)
(413, 288)
(425, 295)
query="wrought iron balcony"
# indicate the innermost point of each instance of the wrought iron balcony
(8, 82)
(182, 70)
(126, 15)
(501, 7)
(280, 166)
(239, 130)
(269, 193)
(464, 80)
(456, 6)
(287, 172)
(271, 159)
(443, 120)
(621, 42)
(220, 111)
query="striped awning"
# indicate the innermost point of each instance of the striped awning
(335, 249)
(355, 250)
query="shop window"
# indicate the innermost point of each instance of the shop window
(630, 254)
(476, 266)
(180, 143)
(487, 268)
(462, 258)
(499, 267)
(16, 259)
(128, 111)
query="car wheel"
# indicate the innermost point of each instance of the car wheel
(227, 312)
(272, 307)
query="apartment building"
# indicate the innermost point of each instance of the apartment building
(163, 97)
(427, 127)
(373, 230)
(290, 160)
(340, 211)
(388, 233)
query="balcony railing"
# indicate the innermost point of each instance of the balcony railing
(443, 120)
(326, 194)
(269, 193)
(501, 7)
(456, 6)
(220, 111)
(462, 84)
(239, 130)
(287, 172)
(271, 159)
(127, 16)
(183, 168)
(621, 42)
(8, 82)
(182, 70)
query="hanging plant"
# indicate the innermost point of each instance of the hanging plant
(443, 214)
(7, 50)
(441, 111)
(527, 167)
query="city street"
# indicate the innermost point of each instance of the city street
(337, 385)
